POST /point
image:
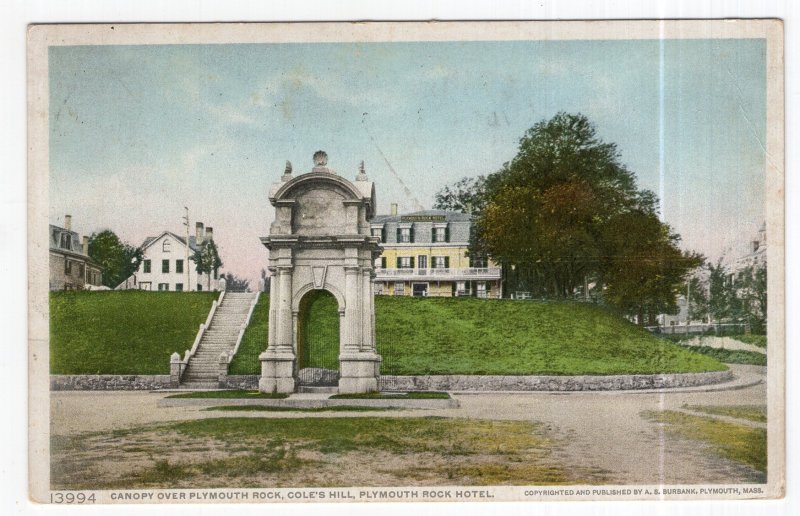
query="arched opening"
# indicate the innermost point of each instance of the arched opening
(318, 339)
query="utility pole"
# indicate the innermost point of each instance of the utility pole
(688, 302)
(186, 249)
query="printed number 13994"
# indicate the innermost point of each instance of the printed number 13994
(71, 498)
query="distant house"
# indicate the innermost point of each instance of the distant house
(425, 253)
(755, 257)
(70, 265)
(167, 266)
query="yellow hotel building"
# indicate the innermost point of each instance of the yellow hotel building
(425, 254)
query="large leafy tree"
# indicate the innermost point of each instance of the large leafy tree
(465, 196)
(207, 260)
(751, 283)
(118, 259)
(468, 195)
(721, 294)
(565, 214)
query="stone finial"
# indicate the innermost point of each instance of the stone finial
(321, 162)
(320, 158)
(175, 357)
(362, 175)
(287, 172)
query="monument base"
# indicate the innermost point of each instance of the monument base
(359, 372)
(277, 372)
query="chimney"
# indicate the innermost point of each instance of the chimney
(393, 209)
(198, 233)
(210, 233)
(86, 245)
(68, 222)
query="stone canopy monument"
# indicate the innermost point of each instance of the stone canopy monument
(320, 240)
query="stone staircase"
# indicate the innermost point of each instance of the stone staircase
(202, 371)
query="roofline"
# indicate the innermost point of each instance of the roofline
(156, 238)
(88, 259)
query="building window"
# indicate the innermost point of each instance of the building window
(383, 262)
(146, 269)
(179, 266)
(461, 288)
(378, 232)
(422, 261)
(440, 262)
(199, 287)
(67, 267)
(163, 286)
(179, 287)
(481, 289)
(405, 235)
(478, 261)
(399, 288)
(81, 270)
(165, 247)
(405, 262)
(440, 234)
(66, 241)
(164, 265)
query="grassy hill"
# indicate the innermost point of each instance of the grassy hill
(127, 332)
(478, 336)
(134, 332)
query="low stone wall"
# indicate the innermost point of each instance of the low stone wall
(550, 383)
(475, 383)
(109, 382)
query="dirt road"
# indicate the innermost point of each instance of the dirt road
(602, 431)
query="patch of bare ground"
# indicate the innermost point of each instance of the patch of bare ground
(276, 453)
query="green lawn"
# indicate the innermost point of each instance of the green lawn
(736, 442)
(756, 413)
(479, 336)
(234, 394)
(127, 332)
(756, 340)
(729, 356)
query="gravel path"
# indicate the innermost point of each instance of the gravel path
(602, 430)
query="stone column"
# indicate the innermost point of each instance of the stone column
(274, 295)
(278, 362)
(358, 362)
(283, 332)
(352, 312)
(175, 370)
(367, 341)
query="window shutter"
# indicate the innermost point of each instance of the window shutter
(383, 234)
(398, 259)
(399, 235)
(383, 262)
(433, 234)
(411, 231)
(446, 262)
(412, 262)
(447, 233)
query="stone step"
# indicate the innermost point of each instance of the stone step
(199, 385)
(317, 389)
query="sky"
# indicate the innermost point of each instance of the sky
(139, 132)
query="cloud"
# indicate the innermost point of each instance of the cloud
(331, 88)
(231, 115)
